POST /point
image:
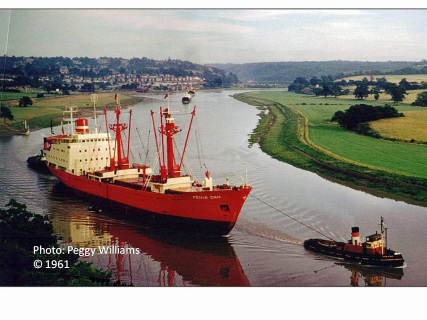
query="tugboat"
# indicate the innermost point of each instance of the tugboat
(186, 98)
(372, 252)
(192, 92)
(38, 163)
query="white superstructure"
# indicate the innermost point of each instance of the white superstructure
(79, 153)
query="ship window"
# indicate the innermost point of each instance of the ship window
(224, 207)
(85, 150)
(80, 151)
(99, 149)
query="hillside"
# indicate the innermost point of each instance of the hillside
(85, 74)
(286, 72)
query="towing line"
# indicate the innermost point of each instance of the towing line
(289, 216)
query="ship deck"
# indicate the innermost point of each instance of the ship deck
(139, 184)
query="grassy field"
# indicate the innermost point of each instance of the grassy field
(402, 158)
(393, 78)
(321, 109)
(298, 133)
(39, 115)
(386, 155)
(32, 93)
(412, 126)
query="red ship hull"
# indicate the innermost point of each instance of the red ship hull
(205, 212)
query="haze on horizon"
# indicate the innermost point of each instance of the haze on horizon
(218, 36)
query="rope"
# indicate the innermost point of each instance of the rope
(186, 167)
(131, 152)
(199, 142)
(291, 217)
(148, 146)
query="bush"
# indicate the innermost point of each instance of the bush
(421, 100)
(25, 101)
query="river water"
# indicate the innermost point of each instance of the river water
(264, 248)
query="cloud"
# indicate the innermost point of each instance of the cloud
(262, 15)
(168, 20)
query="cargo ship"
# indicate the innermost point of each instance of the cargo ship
(97, 166)
(372, 252)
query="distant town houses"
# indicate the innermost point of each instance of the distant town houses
(84, 74)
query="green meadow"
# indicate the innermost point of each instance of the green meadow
(298, 131)
(44, 109)
(402, 158)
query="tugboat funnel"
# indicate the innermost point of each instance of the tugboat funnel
(355, 236)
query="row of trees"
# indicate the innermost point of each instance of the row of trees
(326, 86)
(397, 92)
(351, 118)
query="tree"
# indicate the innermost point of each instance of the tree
(361, 91)
(326, 89)
(20, 231)
(336, 90)
(405, 84)
(6, 113)
(376, 92)
(397, 92)
(25, 101)
(315, 81)
(421, 100)
(298, 85)
(382, 83)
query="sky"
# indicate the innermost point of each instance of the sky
(219, 35)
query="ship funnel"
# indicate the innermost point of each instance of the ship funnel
(355, 236)
(82, 126)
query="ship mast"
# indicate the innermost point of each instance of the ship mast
(70, 110)
(122, 160)
(383, 235)
(94, 99)
(168, 129)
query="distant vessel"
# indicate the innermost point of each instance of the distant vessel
(186, 99)
(192, 92)
(372, 252)
(97, 166)
(25, 130)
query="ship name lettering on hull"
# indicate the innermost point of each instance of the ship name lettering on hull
(206, 197)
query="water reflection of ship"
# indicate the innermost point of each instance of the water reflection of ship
(183, 261)
(373, 277)
(198, 261)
